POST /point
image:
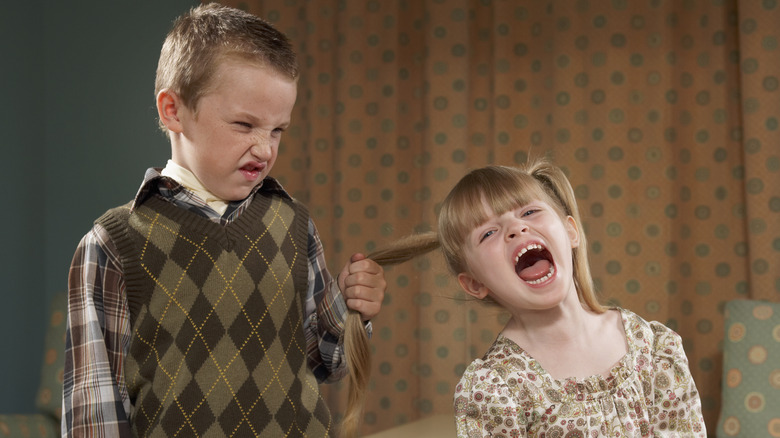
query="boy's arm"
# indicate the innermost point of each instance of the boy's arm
(325, 316)
(326, 311)
(95, 401)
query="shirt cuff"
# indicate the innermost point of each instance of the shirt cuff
(332, 311)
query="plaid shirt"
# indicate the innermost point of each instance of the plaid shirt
(95, 399)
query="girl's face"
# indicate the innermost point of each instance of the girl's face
(522, 258)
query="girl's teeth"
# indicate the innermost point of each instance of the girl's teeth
(545, 278)
(526, 249)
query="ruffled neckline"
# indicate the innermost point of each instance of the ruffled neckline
(618, 374)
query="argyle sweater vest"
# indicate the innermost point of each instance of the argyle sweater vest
(217, 345)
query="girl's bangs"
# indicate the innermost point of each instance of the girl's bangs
(482, 193)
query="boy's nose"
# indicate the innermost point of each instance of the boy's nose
(261, 149)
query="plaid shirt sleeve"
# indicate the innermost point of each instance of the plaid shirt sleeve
(95, 401)
(326, 312)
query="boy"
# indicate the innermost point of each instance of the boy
(204, 306)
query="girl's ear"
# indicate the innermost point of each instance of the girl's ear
(472, 286)
(168, 107)
(573, 231)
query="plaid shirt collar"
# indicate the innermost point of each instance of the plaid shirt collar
(156, 184)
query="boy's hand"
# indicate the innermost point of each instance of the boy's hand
(362, 282)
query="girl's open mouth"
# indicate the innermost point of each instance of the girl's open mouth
(534, 264)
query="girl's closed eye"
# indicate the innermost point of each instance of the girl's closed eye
(485, 235)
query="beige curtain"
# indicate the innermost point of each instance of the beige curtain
(664, 113)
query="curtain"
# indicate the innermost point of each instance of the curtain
(663, 113)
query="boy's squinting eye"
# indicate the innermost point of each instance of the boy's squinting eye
(244, 125)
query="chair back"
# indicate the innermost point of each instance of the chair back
(49, 398)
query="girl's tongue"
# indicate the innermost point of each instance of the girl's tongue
(535, 271)
(534, 264)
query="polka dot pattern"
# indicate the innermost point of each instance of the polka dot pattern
(751, 367)
(663, 114)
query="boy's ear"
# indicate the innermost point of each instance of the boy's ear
(168, 107)
(472, 286)
(573, 231)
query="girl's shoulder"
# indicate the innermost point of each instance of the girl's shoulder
(503, 359)
(650, 337)
(504, 371)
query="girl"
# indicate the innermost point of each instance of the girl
(564, 365)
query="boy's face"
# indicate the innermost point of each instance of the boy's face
(231, 140)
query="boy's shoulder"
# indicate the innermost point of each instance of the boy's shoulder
(116, 213)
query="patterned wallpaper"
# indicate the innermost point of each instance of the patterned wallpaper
(664, 114)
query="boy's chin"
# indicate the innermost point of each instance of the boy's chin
(238, 192)
(240, 197)
(235, 195)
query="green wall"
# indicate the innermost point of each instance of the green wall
(23, 181)
(77, 117)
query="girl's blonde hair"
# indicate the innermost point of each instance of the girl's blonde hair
(502, 189)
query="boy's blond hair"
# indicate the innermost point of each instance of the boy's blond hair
(208, 34)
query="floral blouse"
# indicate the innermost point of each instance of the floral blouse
(650, 392)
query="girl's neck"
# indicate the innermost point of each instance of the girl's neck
(566, 323)
(570, 341)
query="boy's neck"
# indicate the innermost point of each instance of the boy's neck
(188, 179)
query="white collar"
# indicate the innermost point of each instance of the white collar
(188, 179)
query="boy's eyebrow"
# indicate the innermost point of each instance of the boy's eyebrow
(255, 120)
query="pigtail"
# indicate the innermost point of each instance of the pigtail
(358, 355)
(556, 182)
(356, 347)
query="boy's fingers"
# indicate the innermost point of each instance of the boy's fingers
(374, 281)
(367, 309)
(365, 292)
(353, 279)
(363, 285)
(359, 263)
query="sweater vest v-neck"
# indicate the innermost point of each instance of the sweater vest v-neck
(217, 346)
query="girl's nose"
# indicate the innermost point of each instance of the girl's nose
(515, 228)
